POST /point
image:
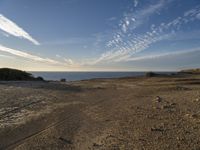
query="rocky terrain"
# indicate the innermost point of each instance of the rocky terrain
(143, 113)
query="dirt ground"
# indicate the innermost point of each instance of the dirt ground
(155, 113)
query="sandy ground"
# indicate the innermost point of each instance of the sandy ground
(102, 114)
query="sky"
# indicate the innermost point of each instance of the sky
(100, 35)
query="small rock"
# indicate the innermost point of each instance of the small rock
(187, 115)
(65, 140)
(154, 107)
(182, 88)
(140, 139)
(197, 100)
(96, 145)
(194, 116)
(172, 104)
(158, 99)
(179, 138)
(158, 129)
(165, 107)
(107, 120)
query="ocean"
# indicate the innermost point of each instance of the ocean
(75, 76)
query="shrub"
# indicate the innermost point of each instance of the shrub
(150, 74)
(40, 79)
(63, 80)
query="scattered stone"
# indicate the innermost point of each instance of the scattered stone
(180, 88)
(137, 107)
(151, 116)
(107, 120)
(96, 145)
(65, 140)
(154, 107)
(157, 129)
(187, 115)
(194, 115)
(172, 104)
(158, 99)
(197, 100)
(165, 107)
(140, 139)
(100, 88)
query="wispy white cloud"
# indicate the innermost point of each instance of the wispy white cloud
(132, 47)
(124, 47)
(192, 12)
(198, 16)
(133, 20)
(112, 18)
(164, 54)
(135, 3)
(68, 61)
(58, 56)
(28, 56)
(12, 28)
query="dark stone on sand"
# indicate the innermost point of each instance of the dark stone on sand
(158, 99)
(157, 129)
(96, 145)
(65, 140)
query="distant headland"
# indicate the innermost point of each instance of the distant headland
(191, 71)
(8, 74)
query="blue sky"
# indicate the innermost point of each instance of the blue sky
(100, 35)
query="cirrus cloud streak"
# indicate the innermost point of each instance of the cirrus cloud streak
(13, 29)
(27, 55)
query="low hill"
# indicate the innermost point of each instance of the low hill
(7, 74)
(191, 71)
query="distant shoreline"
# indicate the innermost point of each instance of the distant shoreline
(7, 74)
(78, 76)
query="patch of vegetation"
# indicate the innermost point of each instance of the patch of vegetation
(7, 74)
